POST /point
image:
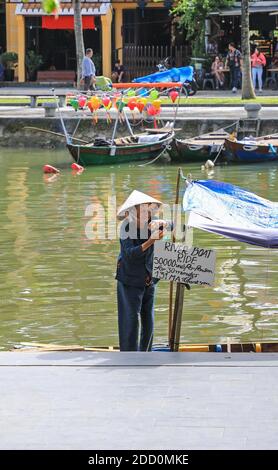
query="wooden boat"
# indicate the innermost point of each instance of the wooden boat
(225, 347)
(144, 146)
(198, 149)
(251, 150)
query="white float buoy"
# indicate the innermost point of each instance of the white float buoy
(209, 164)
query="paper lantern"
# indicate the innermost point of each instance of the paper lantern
(95, 103)
(82, 101)
(132, 104)
(74, 103)
(143, 101)
(131, 93)
(120, 105)
(51, 6)
(173, 95)
(157, 104)
(140, 106)
(106, 101)
(154, 94)
(151, 110)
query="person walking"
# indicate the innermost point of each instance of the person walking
(258, 62)
(135, 285)
(88, 70)
(234, 61)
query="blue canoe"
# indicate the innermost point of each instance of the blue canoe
(259, 150)
(181, 74)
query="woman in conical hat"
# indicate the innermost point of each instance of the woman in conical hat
(135, 285)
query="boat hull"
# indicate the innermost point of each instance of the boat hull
(244, 153)
(188, 152)
(94, 155)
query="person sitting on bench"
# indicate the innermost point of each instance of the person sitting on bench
(118, 72)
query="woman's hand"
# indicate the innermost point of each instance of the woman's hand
(156, 235)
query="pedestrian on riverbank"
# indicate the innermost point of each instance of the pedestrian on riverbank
(135, 285)
(88, 70)
(234, 61)
(258, 62)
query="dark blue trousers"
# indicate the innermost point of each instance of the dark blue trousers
(235, 77)
(135, 306)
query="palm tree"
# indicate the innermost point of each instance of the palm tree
(247, 84)
(79, 41)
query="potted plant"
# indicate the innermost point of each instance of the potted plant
(98, 63)
(9, 61)
(33, 62)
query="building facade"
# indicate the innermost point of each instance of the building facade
(224, 26)
(114, 29)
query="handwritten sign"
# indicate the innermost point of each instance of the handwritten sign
(179, 263)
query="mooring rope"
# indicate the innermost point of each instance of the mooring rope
(167, 147)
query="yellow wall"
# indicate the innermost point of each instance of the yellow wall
(21, 47)
(11, 28)
(106, 22)
(118, 31)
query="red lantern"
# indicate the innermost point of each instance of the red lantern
(151, 110)
(82, 101)
(173, 95)
(132, 104)
(140, 106)
(106, 101)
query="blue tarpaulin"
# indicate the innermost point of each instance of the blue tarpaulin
(180, 74)
(232, 211)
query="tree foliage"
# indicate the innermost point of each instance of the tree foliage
(192, 14)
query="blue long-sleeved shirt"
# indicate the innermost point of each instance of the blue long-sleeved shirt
(88, 67)
(134, 267)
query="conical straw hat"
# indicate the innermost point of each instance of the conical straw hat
(135, 198)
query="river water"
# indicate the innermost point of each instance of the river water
(57, 286)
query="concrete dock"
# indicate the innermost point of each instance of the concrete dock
(159, 400)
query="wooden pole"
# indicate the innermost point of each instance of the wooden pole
(173, 240)
(178, 314)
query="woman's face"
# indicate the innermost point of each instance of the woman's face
(143, 214)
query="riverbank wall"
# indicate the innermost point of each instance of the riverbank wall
(13, 132)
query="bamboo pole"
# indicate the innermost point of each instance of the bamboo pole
(59, 134)
(173, 240)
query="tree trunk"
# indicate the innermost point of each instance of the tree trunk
(79, 42)
(247, 84)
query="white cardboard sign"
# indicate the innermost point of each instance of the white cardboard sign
(179, 263)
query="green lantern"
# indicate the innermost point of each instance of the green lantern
(154, 94)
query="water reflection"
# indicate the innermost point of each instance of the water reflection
(58, 286)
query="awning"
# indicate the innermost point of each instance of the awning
(89, 8)
(254, 7)
(66, 22)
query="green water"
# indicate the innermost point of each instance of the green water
(57, 286)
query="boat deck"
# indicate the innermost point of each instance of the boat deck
(158, 400)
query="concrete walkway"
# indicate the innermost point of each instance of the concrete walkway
(185, 113)
(45, 90)
(84, 400)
